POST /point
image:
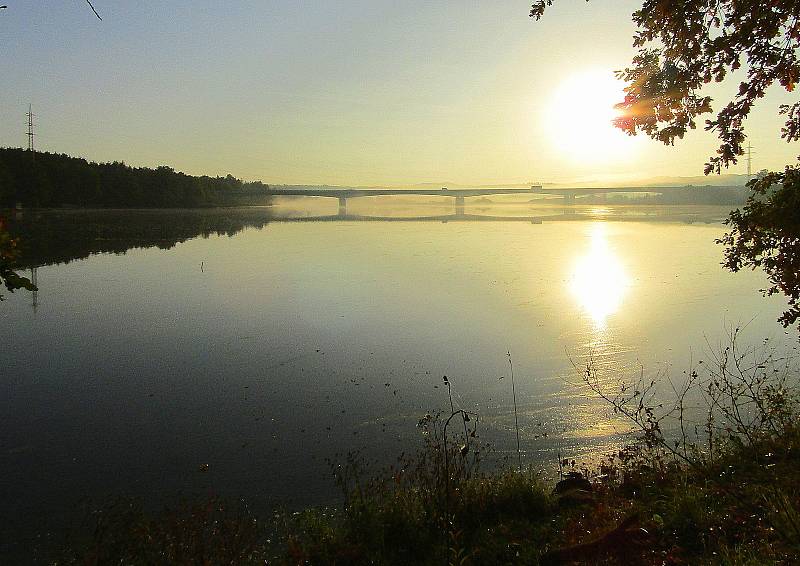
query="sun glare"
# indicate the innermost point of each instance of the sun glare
(599, 281)
(580, 118)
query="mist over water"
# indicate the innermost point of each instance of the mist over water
(232, 352)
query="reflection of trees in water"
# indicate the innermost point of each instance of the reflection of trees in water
(9, 251)
(60, 237)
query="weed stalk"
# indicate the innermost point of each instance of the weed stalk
(516, 420)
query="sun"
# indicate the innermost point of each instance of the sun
(580, 115)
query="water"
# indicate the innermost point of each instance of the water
(163, 358)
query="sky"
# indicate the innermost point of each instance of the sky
(369, 92)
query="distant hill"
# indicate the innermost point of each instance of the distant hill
(727, 180)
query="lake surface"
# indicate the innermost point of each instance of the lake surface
(233, 351)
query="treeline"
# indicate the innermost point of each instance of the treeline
(45, 180)
(691, 194)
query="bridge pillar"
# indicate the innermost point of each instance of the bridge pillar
(569, 198)
(459, 206)
(342, 206)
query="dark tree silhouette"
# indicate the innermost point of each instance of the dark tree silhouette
(766, 234)
(685, 45)
(54, 180)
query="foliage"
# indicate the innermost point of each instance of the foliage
(715, 467)
(741, 396)
(432, 506)
(766, 235)
(683, 46)
(210, 532)
(38, 179)
(8, 257)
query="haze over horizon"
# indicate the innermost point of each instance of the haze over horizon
(358, 93)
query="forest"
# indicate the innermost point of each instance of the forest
(34, 179)
(708, 194)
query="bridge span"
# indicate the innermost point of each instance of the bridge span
(567, 193)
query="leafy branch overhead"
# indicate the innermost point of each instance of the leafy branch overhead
(766, 235)
(683, 46)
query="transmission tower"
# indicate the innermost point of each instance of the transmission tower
(30, 127)
(750, 153)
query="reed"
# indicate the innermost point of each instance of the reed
(516, 419)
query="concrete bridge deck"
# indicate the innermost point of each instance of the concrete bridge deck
(445, 192)
(352, 193)
(567, 193)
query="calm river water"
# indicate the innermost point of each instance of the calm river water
(233, 351)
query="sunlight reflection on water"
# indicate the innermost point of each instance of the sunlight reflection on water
(599, 281)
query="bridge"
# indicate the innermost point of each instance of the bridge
(566, 215)
(344, 194)
(568, 194)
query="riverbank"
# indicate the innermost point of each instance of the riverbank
(729, 495)
(740, 508)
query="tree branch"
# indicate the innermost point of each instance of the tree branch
(93, 10)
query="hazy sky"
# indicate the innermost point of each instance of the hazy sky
(340, 92)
